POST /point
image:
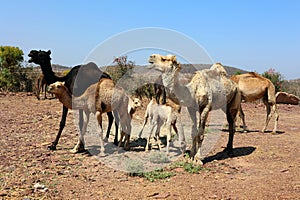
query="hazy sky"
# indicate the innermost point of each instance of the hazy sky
(253, 35)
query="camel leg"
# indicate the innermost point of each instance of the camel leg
(274, 107)
(99, 119)
(200, 136)
(61, 127)
(152, 125)
(157, 133)
(180, 133)
(192, 113)
(269, 114)
(168, 137)
(45, 90)
(110, 122)
(79, 147)
(144, 124)
(230, 114)
(242, 116)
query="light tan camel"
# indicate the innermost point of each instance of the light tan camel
(209, 89)
(253, 87)
(160, 115)
(98, 98)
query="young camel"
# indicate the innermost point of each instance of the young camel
(99, 98)
(41, 86)
(253, 87)
(208, 90)
(160, 115)
(88, 74)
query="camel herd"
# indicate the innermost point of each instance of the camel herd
(208, 89)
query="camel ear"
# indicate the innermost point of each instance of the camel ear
(173, 58)
(48, 52)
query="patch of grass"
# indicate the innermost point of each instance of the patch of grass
(157, 174)
(188, 167)
(134, 167)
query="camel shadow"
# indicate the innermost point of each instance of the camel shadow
(237, 152)
(277, 132)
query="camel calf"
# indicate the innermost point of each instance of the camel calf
(160, 115)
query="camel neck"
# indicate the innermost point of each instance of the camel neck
(65, 98)
(72, 102)
(180, 92)
(49, 75)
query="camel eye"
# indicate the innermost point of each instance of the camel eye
(58, 86)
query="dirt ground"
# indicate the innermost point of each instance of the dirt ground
(264, 166)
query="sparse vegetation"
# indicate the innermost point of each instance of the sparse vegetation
(157, 174)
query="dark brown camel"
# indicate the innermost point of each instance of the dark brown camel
(89, 74)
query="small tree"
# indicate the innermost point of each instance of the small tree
(10, 68)
(275, 77)
(123, 66)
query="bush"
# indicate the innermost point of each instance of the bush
(275, 77)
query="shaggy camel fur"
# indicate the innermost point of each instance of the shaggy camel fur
(160, 115)
(88, 73)
(99, 98)
(209, 89)
(253, 87)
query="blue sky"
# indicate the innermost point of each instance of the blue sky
(253, 35)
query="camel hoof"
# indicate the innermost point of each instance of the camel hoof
(197, 160)
(274, 133)
(52, 147)
(78, 150)
(126, 148)
(102, 154)
(105, 140)
(116, 142)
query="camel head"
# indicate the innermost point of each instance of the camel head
(136, 103)
(133, 105)
(57, 88)
(219, 68)
(39, 57)
(163, 63)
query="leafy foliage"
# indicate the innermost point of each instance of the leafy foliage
(12, 76)
(275, 77)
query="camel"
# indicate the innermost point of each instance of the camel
(99, 98)
(41, 86)
(89, 74)
(206, 91)
(253, 87)
(160, 115)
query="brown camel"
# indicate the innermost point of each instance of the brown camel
(41, 86)
(99, 98)
(208, 89)
(253, 87)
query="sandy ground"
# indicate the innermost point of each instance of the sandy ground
(264, 166)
